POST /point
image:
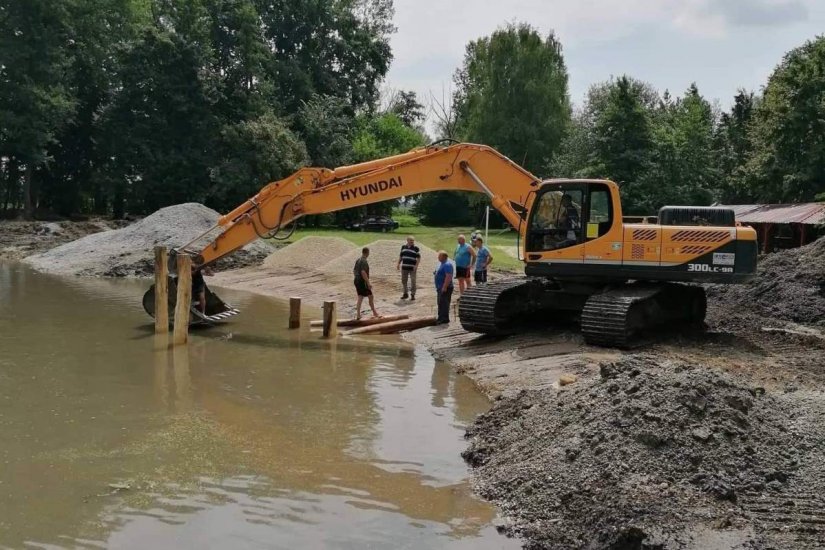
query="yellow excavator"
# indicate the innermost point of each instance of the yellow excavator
(618, 276)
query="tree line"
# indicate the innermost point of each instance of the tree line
(511, 93)
(123, 106)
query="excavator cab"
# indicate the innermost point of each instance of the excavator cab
(569, 219)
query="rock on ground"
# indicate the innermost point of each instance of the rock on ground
(789, 285)
(650, 454)
(128, 252)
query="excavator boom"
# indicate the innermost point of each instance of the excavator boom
(460, 167)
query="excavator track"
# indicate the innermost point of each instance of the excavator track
(617, 317)
(492, 308)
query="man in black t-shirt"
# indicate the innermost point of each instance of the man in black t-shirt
(363, 287)
(408, 264)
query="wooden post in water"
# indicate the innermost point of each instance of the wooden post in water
(294, 313)
(184, 300)
(330, 320)
(161, 290)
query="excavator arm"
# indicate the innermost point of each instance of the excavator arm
(461, 167)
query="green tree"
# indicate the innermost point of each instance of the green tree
(36, 39)
(405, 105)
(160, 131)
(253, 153)
(788, 158)
(338, 47)
(682, 168)
(732, 148)
(512, 95)
(622, 136)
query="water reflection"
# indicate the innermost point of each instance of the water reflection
(251, 436)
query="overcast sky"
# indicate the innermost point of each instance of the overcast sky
(722, 45)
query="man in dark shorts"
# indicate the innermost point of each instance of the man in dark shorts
(363, 287)
(465, 257)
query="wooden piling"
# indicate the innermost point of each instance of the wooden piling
(161, 290)
(294, 313)
(330, 320)
(184, 300)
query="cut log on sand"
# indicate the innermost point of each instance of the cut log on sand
(362, 322)
(395, 326)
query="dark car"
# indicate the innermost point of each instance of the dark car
(373, 223)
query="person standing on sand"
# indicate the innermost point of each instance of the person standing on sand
(363, 287)
(443, 287)
(465, 257)
(408, 264)
(483, 260)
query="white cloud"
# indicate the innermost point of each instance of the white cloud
(641, 37)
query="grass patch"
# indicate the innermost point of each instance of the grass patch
(437, 238)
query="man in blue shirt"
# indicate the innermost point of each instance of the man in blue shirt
(465, 257)
(444, 287)
(483, 259)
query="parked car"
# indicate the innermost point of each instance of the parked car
(373, 223)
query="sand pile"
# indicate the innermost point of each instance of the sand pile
(790, 285)
(128, 252)
(310, 252)
(383, 260)
(642, 455)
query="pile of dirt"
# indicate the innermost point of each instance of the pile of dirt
(790, 285)
(310, 252)
(128, 252)
(19, 239)
(383, 260)
(645, 456)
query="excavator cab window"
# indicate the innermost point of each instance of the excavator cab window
(600, 212)
(557, 220)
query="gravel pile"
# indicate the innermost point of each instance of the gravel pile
(309, 252)
(128, 252)
(383, 260)
(644, 456)
(790, 285)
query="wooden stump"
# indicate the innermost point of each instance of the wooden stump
(294, 313)
(184, 300)
(161, 290)
(330, 320)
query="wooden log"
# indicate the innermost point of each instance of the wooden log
(393, 327)
(184, 300)
(294, 313)
(330, 329)
(161, 290)
(363, 322)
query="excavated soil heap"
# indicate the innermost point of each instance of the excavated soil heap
(310, 252)
(383, 260)
(790, 285)
(644, 456)
(128, 252)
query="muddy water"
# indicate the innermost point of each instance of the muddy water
(250, 437)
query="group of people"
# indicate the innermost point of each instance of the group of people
(471, 260)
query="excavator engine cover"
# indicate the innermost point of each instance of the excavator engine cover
(697, 215)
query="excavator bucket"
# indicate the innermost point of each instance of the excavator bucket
(217, 311)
